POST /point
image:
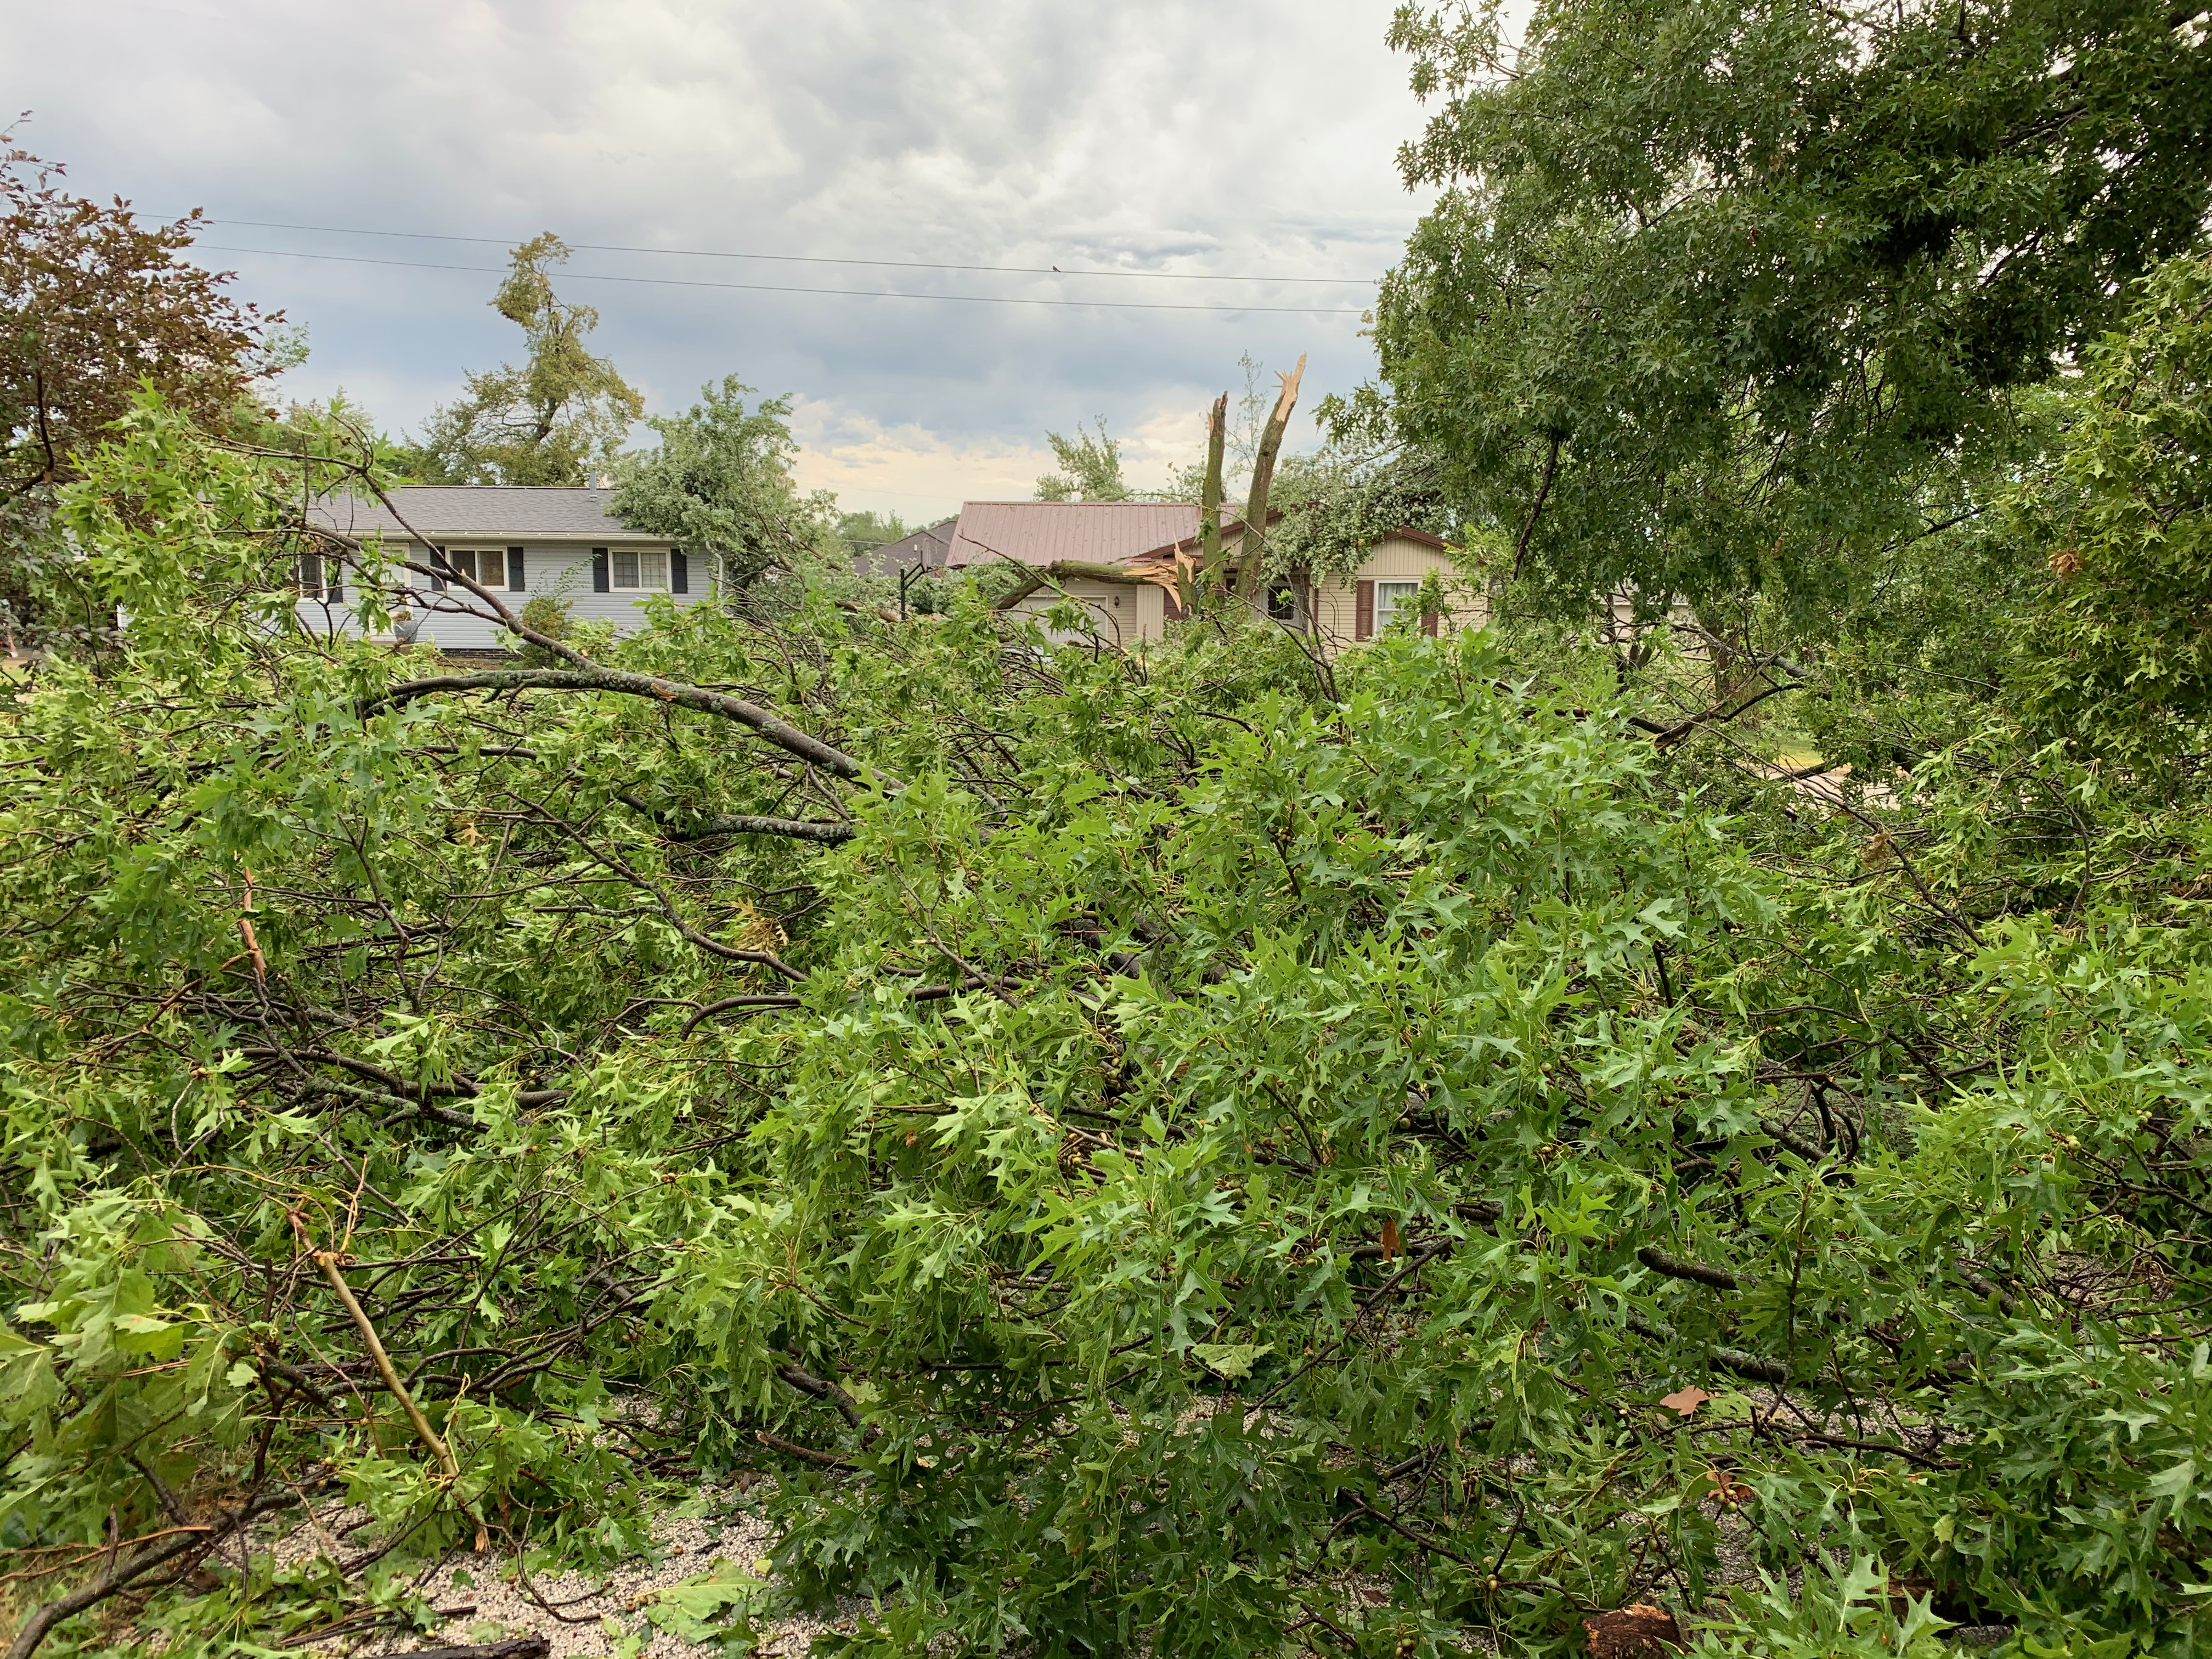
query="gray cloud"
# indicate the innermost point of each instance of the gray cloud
(1230, 139)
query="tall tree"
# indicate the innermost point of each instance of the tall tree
(1720, 294)
(1089, 467)
(555, 419)
(863, 531)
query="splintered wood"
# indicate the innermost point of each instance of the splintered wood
(1639, 1630)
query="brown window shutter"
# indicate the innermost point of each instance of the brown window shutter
(1429, 620)
(1363, 610)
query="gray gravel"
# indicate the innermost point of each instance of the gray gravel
(593, 1616)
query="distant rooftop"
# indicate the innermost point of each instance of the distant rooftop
(491, 511)
(924, 549)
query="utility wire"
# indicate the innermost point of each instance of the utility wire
(799, 258)
(781, 288)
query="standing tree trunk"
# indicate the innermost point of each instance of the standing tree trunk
(1263, 474)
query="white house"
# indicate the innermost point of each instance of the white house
(516, 541)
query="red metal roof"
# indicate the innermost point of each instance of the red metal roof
(1038, 532)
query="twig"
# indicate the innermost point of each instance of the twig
(328, 1261)
(1921, 1458)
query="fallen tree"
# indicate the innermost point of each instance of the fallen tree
(1198, 1163)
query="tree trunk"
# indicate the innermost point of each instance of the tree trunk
(1263, 475)
(1209, 502)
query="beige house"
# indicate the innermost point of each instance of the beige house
(1117, 560)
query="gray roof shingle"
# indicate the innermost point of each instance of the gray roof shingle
(493, 511)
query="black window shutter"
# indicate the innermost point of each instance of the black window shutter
(599, 582)
(438, 566)
(680, 571)
(514, 568)
(333, 576)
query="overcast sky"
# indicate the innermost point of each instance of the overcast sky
(1241, 138)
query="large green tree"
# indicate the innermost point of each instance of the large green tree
(719, 483)
(558, 419)
(865, 531)
(1718, 294)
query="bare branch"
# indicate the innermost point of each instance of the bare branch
(778, 731)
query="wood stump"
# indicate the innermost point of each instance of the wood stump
(1637, 1632)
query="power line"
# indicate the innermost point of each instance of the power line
(781, 288)
(799, 258)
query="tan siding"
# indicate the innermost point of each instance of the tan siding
(1125, 613)
(1396, 558)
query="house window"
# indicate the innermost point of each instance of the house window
(637, 568)
(310, 577)
(1391, 598)
(484, 566)
(1283, 603)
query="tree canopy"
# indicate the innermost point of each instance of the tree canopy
(558, 419)
(1089, 467)
(1718, 296)
(863, 531)
(719, 482)
(2121, 659)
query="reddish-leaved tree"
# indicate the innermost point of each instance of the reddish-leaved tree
(91, 303)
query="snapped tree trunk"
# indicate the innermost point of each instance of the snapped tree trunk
(1209, 502)
(1254, 551)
